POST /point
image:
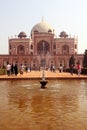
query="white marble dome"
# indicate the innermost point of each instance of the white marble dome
(42, 27)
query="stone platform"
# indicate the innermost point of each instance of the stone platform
(34, 75)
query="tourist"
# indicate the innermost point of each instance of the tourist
(8, 68)
(12, 69)
(16, 69)
(53, 68)
(61, 68)
(78, 68)
(71, 69)
(26, 68)
(21, 69)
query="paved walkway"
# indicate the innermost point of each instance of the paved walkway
(48, 75)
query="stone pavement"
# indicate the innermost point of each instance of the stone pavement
(48, 75)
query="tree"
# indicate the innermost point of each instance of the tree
(71, 61)
(85, 60)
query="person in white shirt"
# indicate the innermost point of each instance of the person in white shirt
(61, 68)
(8, 68)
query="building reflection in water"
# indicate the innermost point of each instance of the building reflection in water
(60, 106)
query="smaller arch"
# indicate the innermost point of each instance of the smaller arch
(31, 46)
(20, 50)
(65, 49)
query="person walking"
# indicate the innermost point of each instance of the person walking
(61, 68)
(78, 68)
(21, 69)
(16, 69)
(8, 68)
(12, 69)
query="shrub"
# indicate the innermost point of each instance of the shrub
(2, 71)
(84, 71)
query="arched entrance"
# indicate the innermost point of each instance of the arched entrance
(43, 47)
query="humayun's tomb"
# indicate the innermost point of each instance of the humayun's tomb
(43, 47)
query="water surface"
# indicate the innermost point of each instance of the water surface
(61, 106)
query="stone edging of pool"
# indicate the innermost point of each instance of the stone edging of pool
(39, 78)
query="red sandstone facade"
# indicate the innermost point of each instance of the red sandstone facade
(42, 48)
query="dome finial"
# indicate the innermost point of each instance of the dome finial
(42, 19)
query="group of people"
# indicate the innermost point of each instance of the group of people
(11, 69)
(53, 69)
(72, 65)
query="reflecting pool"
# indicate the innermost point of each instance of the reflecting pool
(61, 106)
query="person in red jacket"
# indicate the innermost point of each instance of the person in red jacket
(78, 68)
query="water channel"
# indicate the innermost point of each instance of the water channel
(61, 106)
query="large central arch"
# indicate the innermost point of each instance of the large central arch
(43, 47)
(20, 50)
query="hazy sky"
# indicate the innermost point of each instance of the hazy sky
(63, 15)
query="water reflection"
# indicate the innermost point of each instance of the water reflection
(62, 105)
